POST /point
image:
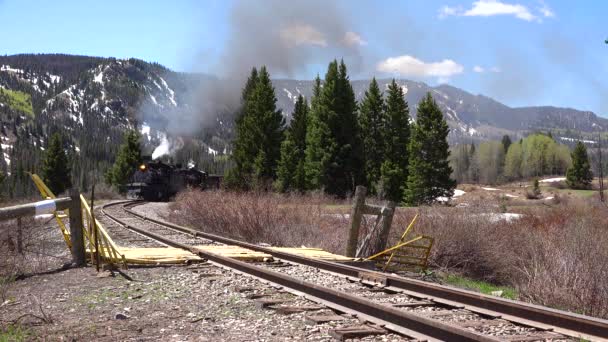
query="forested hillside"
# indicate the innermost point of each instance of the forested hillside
(92, 101)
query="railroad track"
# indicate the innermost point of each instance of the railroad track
(415, 309)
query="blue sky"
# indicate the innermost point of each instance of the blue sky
(520, 52)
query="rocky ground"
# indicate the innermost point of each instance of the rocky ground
(200, 302)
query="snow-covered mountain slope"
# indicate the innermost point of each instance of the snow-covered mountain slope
(471, 117)
(94, 100)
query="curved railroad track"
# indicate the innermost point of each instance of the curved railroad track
(412, 308)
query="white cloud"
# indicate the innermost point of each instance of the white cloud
(412, 67)
(480, 69)
(446, 11)
(488, 8)
(545, 10)
(351, 38)
(299, 34)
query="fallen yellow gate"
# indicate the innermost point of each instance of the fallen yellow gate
(412, 254)
(99, 242)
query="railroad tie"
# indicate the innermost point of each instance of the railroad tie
(356, 331)
(324, 318)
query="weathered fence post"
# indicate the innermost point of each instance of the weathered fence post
(355, 215)
(76, 236)
(387, 220)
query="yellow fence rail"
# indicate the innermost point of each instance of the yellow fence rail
(59, 215)
(97, 239)
(407, 254)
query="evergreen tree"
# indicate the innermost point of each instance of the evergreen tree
(290, 171)
(372, 120)
(244, 151)
(259, 133)
(333, 153)
(127, 160)
(269, 125)
(429, 168)
(506, 143)
(55, 167)
(579, 176)
(394, 169)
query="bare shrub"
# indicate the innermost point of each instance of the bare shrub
(313, 220)
(554, 256)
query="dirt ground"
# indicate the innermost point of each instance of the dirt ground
(43, 301)
(187, 303)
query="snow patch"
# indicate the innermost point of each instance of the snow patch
(490, 189)
(145, 129)
(508, 217)
(99, 78)
(211, 151)
(551, 180)
(574, 140)
(444, 199)
(511, 196)
(9, 69)
(171, 92)
(291, 96)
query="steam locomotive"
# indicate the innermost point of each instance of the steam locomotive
(158, 181)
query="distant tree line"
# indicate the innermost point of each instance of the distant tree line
(334, 144)
(493, 162)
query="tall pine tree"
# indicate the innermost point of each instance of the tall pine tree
(259, 133)
(243, 153)
(333, 152)
(394, 169)
(429, 168)
(55, 169)
(372, 120)
(127, 160)
(290, 171)
(579, 176)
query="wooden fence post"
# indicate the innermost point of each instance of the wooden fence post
(387, 220)
(355, 216)
(76, 236)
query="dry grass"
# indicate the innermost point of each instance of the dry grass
(554, 255)
(282, 220)
(43, 249)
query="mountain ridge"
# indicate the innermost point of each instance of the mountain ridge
(93, 100)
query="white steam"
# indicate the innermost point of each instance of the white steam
(167, 146)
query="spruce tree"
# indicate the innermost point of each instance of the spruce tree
(429, 168)
(244, 147)
(259, 133)
(506, 142)
(320, 142)
(269, 126)
(55, 169)
(290, 171)
(394, 169)
(127, 160)
(333, 152)
(579, 176)
(372, 120)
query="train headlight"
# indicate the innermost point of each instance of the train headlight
(142, 167)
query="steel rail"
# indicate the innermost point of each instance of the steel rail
(571, 324)
(404, 321)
